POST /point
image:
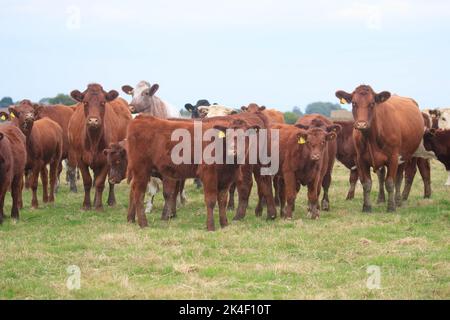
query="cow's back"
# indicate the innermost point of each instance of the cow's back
(61, 114)
(346, 151)
(274, 116)
(49, 135)
(116, 122)
(399, 123)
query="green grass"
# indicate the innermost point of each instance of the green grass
(251, 259)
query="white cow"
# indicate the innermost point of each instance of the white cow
(215, 111)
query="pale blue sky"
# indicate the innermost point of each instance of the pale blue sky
(276, 53)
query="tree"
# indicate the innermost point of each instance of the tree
(59, 99)
(297, 111)
(323, 108)
(290, 117)
(6, 102)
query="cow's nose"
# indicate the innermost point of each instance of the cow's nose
(315, 157)
(361, 125)
(93, 122)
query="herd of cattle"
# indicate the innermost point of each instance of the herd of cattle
(102, 135)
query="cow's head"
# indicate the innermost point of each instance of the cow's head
(94, 101)
(237, 127)
(364, 100)
(23, 115)
(116, 157)
(194, 110)
(253, 108)
(444, 120)
(142, 96)
(315, 139)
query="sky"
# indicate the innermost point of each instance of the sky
(277, 53)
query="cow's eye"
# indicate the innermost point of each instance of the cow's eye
(371, 105)
(443, 119)
(355, 105)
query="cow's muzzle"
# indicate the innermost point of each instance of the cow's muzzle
(315, 157)
(361, 125)
(94, 123)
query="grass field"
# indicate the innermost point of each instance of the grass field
(251, 259)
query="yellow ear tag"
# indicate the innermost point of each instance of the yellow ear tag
(221, 135)
(301, 140)
(343, 101)
(12, 115)
(3, 118)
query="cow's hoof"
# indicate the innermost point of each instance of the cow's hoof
(350, 197)
(391, 208)
(325, 206)
(230, 208)
(143, 224)
(238, 218)
(367, 209)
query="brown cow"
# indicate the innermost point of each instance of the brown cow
(99, 120)
(13, 157)
(304, 160)
(387, 128)
(438, 141)
(149, 150)
(61, 114)
(273, 115)
(320, 121)
(44, 141)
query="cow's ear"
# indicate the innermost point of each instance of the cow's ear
(153, 89)
(222, 131)
(110, 96)
(331, 136)
(37, 110)
(13, 112)
(262, 108)
(382, 96)
(301, 126)
(302, 137)
(344, 97)
(77, 95)
(1, 136)
(127, 89)
(4, 116)
(336, 128)
(244, 108)
(234, 111)
(189, 107)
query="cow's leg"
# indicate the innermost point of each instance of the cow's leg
(44, 179)
(260, 203)
(72, 178)
(390, 181)
(58, 177)
(366, 181)
(398, 184)
(54, 167)
(381, 175)
(410, 173)
(137, 193)
(290, 188)
(353, 179)
(222, 199)
(209, 181)
(100, 178)
(131, 217)
(198, 183)
(151, 191)
(313, 199)
(326, 182)
(170, 195)
(276, 187)
(282, 195)
(33, 181)
(265, 189)
(244, 186)
(20, 200)
(425, 172)
(3, 189)
(16, 194)
(182, 192)
(87, 183)
(111, 195)
(230, 205)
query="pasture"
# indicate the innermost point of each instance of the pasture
(251, 259)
